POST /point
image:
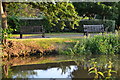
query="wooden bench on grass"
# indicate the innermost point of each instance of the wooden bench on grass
(32, 30)
(93, 28)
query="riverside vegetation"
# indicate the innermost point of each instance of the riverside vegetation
(105, 44)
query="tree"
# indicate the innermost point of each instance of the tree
(102, 10)
(58, 12)
(108, 10)
(21, 9)
(4, 20)
(3, 15)
(53, 12)
(17, 10)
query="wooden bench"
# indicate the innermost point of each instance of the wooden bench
(93, 28)
(32, 30)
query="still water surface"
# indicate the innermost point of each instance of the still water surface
(60, 66)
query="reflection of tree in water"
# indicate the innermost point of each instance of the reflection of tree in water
(79, 71)
(64, 68)
(9, 73)
(67, 69)
(5, 71)
(23, 74)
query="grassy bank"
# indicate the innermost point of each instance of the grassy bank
(98, 44)
(39, 46)
(45, 42)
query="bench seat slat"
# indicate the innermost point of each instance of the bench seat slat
(93, 28)
(32, 32)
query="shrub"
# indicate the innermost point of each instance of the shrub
(5, 34)
(13, 23)
(105, 44)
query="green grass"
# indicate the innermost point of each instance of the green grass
(46, 34)
(47, 43)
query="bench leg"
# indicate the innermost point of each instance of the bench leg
(86, 33)
(43, 35)
(102, 33)
(20, 35)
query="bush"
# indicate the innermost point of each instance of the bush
(13, 23)
(5, 34)
(106, 44)
(110, 24)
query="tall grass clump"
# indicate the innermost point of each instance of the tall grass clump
(99, 44)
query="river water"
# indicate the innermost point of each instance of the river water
(61, 66)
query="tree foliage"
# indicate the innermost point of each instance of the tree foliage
(58, 13)
(21, 10)
(118, 20)
(102, 10)
(55, 13)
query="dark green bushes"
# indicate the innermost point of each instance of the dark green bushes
(105, 44)
(108, 24)
(14, 23)
(35, 22)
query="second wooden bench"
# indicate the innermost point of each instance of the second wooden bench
(93, 28)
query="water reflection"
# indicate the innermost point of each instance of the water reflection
(76, 68)
(54, 71)
(49, 73)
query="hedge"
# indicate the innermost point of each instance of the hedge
(110, 24)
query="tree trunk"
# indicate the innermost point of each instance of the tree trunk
(3, 15)
(118, 22)
(103, 17)
(4, 20)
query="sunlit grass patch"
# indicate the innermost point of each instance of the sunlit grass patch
(45, 43)
(47, 35)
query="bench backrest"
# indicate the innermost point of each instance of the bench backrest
(93, 28)
(31, 29)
